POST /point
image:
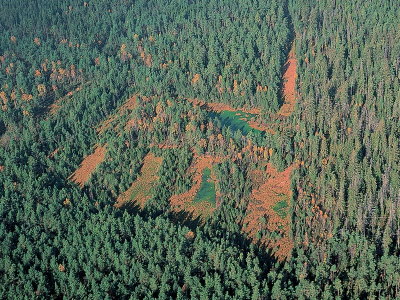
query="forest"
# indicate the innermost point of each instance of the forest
(214, 149)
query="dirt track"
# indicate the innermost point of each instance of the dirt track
(289, 92)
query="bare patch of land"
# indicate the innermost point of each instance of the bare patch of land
(128, 105)
(56, 106)
(88, 165)
(268, 209)
(289, 91)
(185, 201)
(141, 190)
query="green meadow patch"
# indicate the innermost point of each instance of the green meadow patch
(236, 120)
(281, 207)
(207, 189)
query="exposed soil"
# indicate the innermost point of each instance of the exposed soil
(88, 165)
(128, 105)
(260, 126)
(105, 125)
(269, 188)
(141, 190)
(289, 85)
(184, 201)
(166, 146)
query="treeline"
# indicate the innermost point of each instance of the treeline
(78, 248)
(346, 207)
(214, 50)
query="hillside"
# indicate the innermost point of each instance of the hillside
(199, 149)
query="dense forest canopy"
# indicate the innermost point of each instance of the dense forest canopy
(115, 113)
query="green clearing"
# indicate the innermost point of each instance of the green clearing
(207, 189)
(281, 208)
(142, 189)
(236, 120)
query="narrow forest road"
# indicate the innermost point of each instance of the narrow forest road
(289, 83)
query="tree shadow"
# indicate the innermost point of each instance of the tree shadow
(186, 218)
(240, 240)
(183, 217)
(3, 128)
(132, 207)
(216, 229)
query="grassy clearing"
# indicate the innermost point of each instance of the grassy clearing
(207, 189)
(281, 207)
(236, 120)
(200, 199)
(243, 118)
(141, 190)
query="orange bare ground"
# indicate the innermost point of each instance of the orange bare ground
(128, 105)
(55, 107)
(261, 127)
(267, 187)
(184, 201)
(2, 168)
(289, 85)
(144, 183)
(105, 125)
(88, 165)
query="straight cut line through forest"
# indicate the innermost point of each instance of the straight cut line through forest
(289, 84)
